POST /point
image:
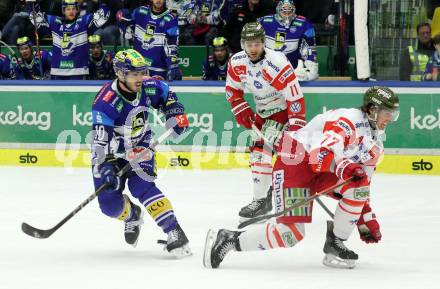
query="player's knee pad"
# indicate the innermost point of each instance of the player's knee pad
(111, 203)
(261, 165)
(284, 234)
(354, 199)
(126, 209)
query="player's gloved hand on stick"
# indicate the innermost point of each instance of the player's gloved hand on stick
(244, 115)
(175, 116)
(348, 169)
(369, 229)
(108, 171)
(179, 123)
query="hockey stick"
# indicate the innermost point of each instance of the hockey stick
(43, 234)
(294, 206)
(325, 208)
(266, 143)
(8, 47)
(37, 39)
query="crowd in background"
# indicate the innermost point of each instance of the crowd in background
(422, 61)
(157, 28)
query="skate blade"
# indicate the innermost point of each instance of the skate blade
(181, 252)
(211, 236)
(333, 261)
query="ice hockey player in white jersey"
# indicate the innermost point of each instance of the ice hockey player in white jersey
(270, 78)
(332, 148)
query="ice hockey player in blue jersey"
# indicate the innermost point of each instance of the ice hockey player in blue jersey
(70, 48)
(100, 60)
(120, 132)
(206, 18)
(215, 67)
(156, 37)
(28, 65)
(293, 35)
(6, 68)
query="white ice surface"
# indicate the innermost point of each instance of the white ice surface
(89, 251)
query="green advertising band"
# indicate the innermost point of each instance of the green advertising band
(48, 114)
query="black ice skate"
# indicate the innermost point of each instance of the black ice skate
(218, 244)
(336, 254)
(133, 225)
(258, 207)
(177, 243)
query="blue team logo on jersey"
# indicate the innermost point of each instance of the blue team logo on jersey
(258, 84)
(295, 107)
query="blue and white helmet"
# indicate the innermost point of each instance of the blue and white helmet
(285, 12)
(129, 60)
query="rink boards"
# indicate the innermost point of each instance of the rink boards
(397, 164)
(49, 124)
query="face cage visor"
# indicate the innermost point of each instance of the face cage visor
(285, 12)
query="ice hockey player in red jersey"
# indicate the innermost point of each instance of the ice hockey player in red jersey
(333, 147)
(271, 80)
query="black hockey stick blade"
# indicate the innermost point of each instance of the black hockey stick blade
(36, 233)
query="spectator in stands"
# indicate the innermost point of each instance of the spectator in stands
(432, 71)
(6, 67)
(182, 10)
(214, 68)
(250, 11)
(293, 35)
(109, 32)
(30, 64)
(206, 18)
(100, 60)
(155, 35)
(18, 23)
(70, 48)
(414, 59)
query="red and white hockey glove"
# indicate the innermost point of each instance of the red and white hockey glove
(244, 115)
(369, 229)
(347, 169)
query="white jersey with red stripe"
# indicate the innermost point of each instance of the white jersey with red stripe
(271, 81)
(338, 136)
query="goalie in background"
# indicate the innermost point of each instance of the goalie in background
(333, 147)
(294, 36)
(120, 133)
